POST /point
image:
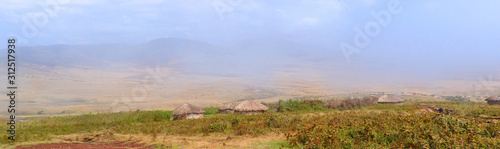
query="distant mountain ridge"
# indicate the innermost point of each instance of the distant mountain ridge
(190, 55)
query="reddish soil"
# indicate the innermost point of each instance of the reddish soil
(113, 145)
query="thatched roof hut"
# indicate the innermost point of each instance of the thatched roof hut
(493, 100)
(389, 99)
(228, 108)
(187, 111)
(250, 107)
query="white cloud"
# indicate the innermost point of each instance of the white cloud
(328, 4)
(369, 2)
(80, 2)
(15, 5)
(432, 5)
(309, 21)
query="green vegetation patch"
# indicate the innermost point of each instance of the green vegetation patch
(306, 124)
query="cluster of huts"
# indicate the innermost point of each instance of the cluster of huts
(392, 99)
(248, 107)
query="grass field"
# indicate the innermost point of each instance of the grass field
(470, 125)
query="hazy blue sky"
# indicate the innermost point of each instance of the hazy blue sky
(317, 22)
(447, 34)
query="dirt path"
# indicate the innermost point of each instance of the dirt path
(108, 140)
(115, 145)
(104, 139)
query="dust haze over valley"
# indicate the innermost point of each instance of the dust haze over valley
(159, 58)
(163, 73)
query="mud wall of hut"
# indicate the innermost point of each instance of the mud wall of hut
(390, 102)
(226, 111)
(494, 102)
(188, 116)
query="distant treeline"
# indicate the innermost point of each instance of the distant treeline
(456, 98)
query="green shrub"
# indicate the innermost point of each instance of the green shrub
(216, 127)
(393, 130)
(351, 103)
(211, 110)
(296, 105)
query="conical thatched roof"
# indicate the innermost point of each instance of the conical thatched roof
(187, 108)
(389, 99)
(493, 98)
(250, 105)
(229, 106)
